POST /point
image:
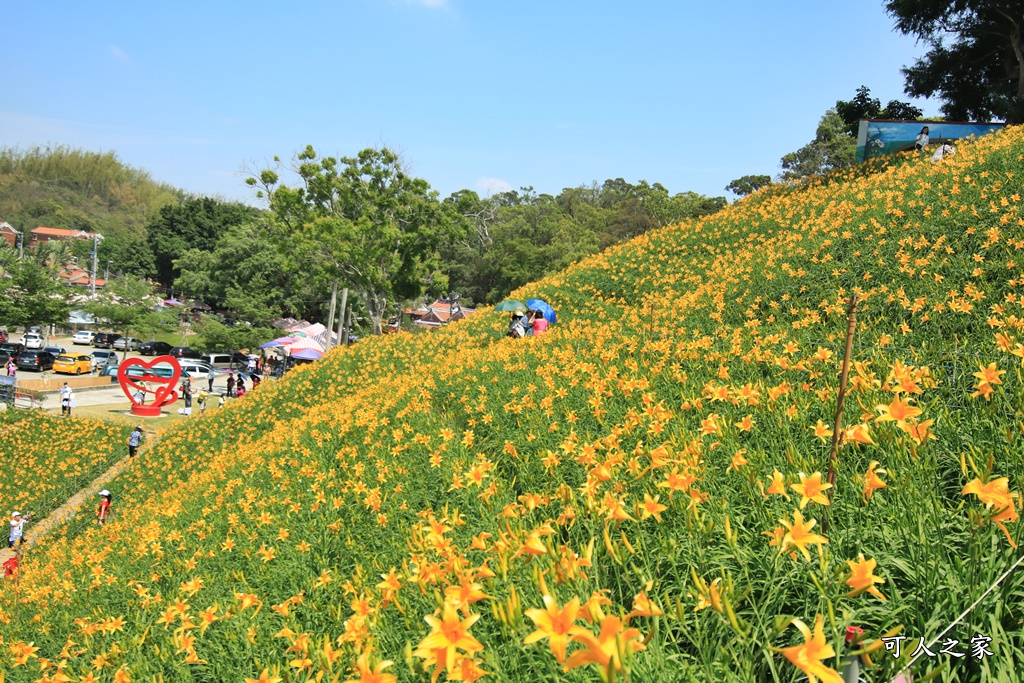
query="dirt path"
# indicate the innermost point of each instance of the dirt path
(36, 530)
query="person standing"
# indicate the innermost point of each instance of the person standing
(250, 367)
(921, 141)
(65, 400)
(17, 535)
(134, 440)
(11, 367)
(210, 376)
(71, 402)
(104, 509)
(202, 400)
(231, 384)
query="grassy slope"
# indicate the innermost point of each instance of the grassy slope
(50, 458)
(310, 489)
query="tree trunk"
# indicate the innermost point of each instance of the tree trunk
(376, 304)
(330, 316)
(341, 318)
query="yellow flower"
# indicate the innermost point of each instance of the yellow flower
(811, 489)
(368, 674)
(553, 622)
(798, 535)
(603, 649)
(862, 578)
(448, 635)
(778, 485)
(996, 494)
(808, 657)
(872, 481)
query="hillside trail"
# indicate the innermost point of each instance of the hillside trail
(70, 508)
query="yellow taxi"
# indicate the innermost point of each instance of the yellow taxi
(73, 364)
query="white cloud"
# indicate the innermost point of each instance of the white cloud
(491, 186)
(117, 53)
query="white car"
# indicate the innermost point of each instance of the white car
(31, 340)
(84, 337)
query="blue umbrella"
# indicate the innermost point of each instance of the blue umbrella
(545, 308)
(271, 344)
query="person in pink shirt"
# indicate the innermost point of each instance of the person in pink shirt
(540, 324)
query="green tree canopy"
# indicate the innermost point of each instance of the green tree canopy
(125, 305)
(748, 184)
(832, 147)
(195, 223)
(365, 220)
(29, 295)
(864, 106)
(975, 61)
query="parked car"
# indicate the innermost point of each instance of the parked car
(33, 340)
(34, 360)
(105, 340)
(11, 349)
(54, 350)
(184, 352)
(154, 348)
(196, 369)
(73, 363)
(83, 337)
(223, 359)
(160, 370)
(104, 359)
(127, 344)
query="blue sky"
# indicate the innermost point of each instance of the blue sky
(474, 93)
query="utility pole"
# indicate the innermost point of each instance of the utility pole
(341, 317)
(330, 316)
(95, 249)
(348, 325)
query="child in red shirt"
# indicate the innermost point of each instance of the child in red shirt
(104, 508)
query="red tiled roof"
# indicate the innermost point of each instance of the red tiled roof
(60, 232)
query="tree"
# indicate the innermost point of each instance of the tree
(125, 305)
(831, 148)
(195, 223)
(31, 296)
(213, 335)
(748, 184)
(975, 63)
(864, 106)
(365, 220)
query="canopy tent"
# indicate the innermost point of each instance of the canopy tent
(302, 344)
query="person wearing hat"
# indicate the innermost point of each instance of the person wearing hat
(17, 535)
(134, 440)
(104, 508)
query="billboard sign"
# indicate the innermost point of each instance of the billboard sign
(877, 137)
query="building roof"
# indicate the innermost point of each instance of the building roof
(440, 312)
(6, 227)
(61, 232)
(73, 275)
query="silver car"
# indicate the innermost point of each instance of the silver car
(127, 344)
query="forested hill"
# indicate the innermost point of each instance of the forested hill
(62, 187)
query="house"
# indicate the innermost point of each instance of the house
(72, 275)
(9, 235)
(440, 313)
(44, 234)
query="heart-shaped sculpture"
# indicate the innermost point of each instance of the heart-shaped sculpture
(164, 392)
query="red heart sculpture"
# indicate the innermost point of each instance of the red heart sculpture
(163, 395)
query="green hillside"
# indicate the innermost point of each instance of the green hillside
(647, 472)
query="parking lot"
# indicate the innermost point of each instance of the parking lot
(101, 399)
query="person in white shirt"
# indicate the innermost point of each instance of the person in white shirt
(922, 139)
(17, 534)
(946, 150)
(65, 400)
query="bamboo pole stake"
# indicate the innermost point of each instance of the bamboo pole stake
(851, 328)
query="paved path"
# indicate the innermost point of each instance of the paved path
(35, 530)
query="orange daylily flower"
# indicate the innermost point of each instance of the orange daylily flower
(374, 674)
(862, 578)
(872, 481)
(555, 623)
(811, 489)
(603, 649)
(447, 636)
(652, 508)
(808, 657)
(798, 535)
(778, 485)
